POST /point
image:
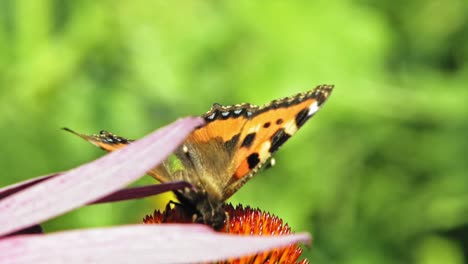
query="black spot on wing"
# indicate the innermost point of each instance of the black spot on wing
(279, 121)
(278, 139)
(253, 160)
(230, 144)
(302, 117)
(267, 125)
(248, 140)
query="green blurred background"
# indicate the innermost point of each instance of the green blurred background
(378, 176)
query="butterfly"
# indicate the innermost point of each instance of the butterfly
(219, 157)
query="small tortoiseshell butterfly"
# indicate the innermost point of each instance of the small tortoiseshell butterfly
(220, 156)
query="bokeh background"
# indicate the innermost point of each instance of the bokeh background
(379, 175)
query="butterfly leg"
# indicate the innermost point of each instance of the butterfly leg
(171, 209)
(228, 221)
(171, 202)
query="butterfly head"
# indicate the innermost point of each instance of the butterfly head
(213, 215)
(203, 209)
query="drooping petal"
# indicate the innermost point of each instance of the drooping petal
(142, 191)
(91, 181)
(138, 244)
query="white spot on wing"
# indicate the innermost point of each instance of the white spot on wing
(264, 153)
(212, 116)
(290, 127)
(313, 108)
(254, 129)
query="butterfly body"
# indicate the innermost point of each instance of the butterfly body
(220, 156)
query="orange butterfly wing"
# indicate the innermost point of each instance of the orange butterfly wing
(269, 128)
(248, 135)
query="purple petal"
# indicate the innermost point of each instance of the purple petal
(139, 244)
(91, 181)
(143, 191)
(11, 189)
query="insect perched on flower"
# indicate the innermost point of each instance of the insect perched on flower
(222, 155)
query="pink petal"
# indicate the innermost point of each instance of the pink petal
(11, 189)
(142, 191)
(91, 181)
(138, 244)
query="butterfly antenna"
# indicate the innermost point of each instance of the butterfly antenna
(93, 139)
(76, 133)
(69, 130)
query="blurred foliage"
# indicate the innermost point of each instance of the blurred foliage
(378, 176)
